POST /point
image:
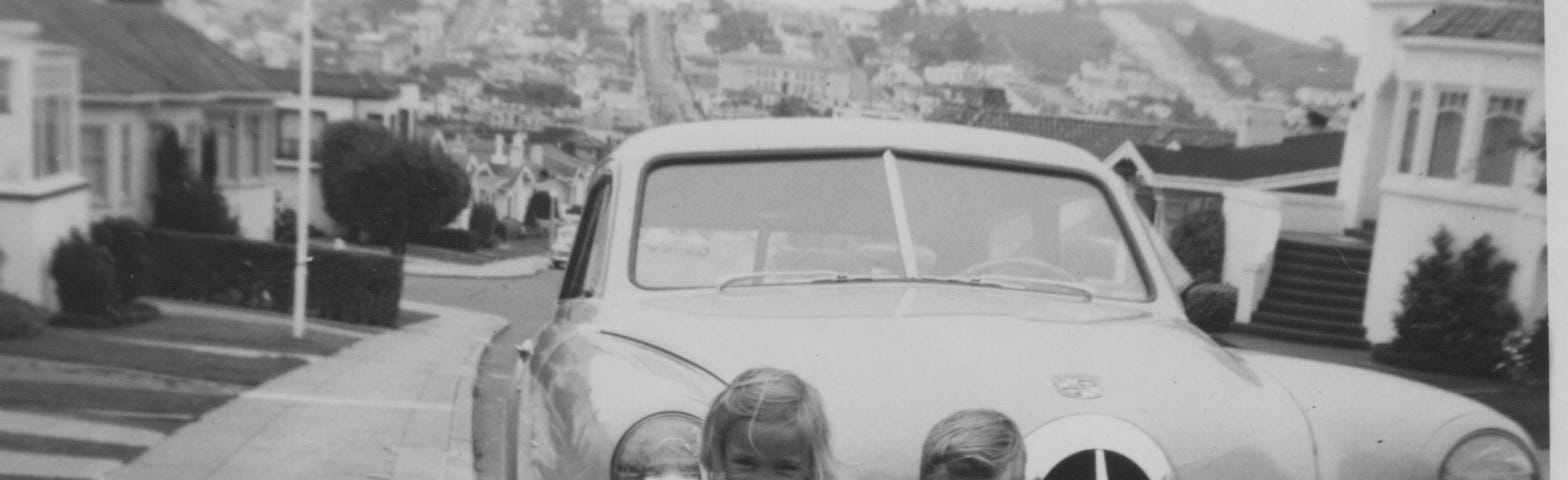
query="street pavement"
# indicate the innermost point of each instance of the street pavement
(528, 304)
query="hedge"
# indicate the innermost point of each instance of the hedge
(20, 318)
(452, 239)
(353, 287)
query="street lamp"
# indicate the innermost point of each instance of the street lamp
(302, 224)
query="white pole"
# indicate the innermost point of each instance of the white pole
(302, 210)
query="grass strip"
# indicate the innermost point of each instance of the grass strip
(85, 347)
(46, 396)
(21, 442)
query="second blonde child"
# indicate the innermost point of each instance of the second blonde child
(768, 424)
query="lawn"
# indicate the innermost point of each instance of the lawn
(96, 347)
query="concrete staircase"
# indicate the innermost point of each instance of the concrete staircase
(1316, 292)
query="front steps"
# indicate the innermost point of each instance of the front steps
(1316, 292)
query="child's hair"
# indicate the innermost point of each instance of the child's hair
(973, 444)
(771, 396)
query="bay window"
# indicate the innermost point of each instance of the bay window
(54, 110)
(1407, 143)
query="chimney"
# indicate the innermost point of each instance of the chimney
(1261, 124)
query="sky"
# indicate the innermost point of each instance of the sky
(1303, 20)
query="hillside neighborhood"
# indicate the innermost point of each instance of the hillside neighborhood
(154, 161)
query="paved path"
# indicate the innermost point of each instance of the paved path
(397, 405)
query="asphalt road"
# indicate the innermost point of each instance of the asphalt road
(528, 303)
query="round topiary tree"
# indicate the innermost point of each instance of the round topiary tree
(482, 221)
(405, 190)
(345, 146)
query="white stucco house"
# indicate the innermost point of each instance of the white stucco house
(142, 74)
(337, 96)
(1447, 87)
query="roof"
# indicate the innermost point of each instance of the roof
(359, 85)
(563, 135)
(845, 134)
(1101, 137)
(561, 164)
(1500, 23)
(129, 49)
(1293, 155)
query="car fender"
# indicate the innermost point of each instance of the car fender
(1367, 424)
(577, 403)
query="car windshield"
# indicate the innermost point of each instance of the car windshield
(762, 222)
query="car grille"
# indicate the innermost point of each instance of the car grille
(1091, 465)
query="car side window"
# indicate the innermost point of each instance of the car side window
(585, 269)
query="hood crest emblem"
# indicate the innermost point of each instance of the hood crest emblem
(1077, 386)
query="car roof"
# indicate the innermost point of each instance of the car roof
(795, 134)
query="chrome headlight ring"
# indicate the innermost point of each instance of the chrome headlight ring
(660, 446)
(1489, 455)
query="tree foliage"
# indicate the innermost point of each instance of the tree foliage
(1199, 243)
(184, 202)
(962, 41)
(1455, 308)
(899, 18)
(793, 106)
(860, 46)
(400, 190)
(739, 28)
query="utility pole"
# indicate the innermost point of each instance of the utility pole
(302, 210)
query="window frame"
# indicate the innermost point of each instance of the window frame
(287, 148)
(97, 180)
(1462, 110)
(587, 250)
(1516, 113)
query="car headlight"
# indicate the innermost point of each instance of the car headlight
(662, 446)
(1489, 456)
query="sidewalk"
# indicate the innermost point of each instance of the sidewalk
(512, 268)
(397, 405)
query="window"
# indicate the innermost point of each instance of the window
(5, 86)
(127, 164)
(225, 130)
(1445, 137)
(53, 108)
(95, 161)
(584, 270)
(1499, 140)
(254, 131)
(288, 132)
(1412, 125)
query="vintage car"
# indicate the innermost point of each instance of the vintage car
(910, 270)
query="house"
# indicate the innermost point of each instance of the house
(136, 75)
(336, 96)
(1447, 88)
(806, 78)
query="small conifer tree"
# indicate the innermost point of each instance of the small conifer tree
(1456, 311)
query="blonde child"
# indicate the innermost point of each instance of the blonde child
(973, 445)
(768, 424)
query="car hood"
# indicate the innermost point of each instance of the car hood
(891, 360)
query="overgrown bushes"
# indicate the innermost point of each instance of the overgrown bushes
(347, 286)
(184, 202)
(1199, 242)
(1211, 306)
(1455, 311)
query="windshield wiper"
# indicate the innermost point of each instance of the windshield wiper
(809, 275)
(1025, 283)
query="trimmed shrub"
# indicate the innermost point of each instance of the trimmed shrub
(345, 146)
(347, 286)
(1211, 306)
(1455, 312)
(84, 277)
(125, 240)
(452, 239)
(397, 191)
(483, 222)
(1199, 242)
(20, 318)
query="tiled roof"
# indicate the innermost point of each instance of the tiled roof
(561, 164)
(1504, 24)
(1293, 155)
(1101, 137)
(364, 86)
(130, 49)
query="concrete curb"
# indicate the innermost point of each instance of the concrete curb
(513, 268)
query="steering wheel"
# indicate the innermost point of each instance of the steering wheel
(1051, 270)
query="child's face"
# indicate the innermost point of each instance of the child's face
(757, 451)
